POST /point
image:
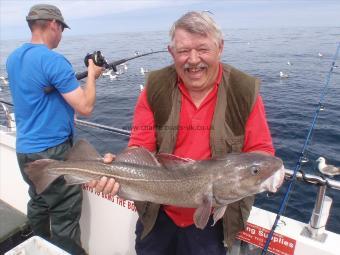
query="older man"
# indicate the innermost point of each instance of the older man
(200, 109)
(45, 121)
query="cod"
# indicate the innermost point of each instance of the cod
(208, 185)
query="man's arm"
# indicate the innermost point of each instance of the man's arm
(83, 99)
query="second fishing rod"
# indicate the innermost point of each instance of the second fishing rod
(302, 153)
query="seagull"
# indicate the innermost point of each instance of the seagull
(320, 55)
(283, 75)
(143, 71)
(327, 169)
(289, 63)
(4, 80)
(109, 73)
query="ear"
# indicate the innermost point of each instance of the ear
(54, 25)
(220, 48)
(171, 51)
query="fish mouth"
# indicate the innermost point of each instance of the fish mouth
(274, 182)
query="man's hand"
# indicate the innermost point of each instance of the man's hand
(93, 70)
(106, 185)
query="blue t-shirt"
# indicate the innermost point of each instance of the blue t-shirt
(42, 120)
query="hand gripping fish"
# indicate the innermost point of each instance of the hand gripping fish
(167, 179)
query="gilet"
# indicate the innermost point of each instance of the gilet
(236, 96)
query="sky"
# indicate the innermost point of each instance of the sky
(111, 16)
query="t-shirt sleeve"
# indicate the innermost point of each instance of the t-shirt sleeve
(60, 74)
(143, 133)
(257, 133)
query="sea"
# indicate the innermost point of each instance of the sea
(303, 54)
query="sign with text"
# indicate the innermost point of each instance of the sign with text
(256, 235)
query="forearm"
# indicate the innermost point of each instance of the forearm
(90, 93)
(83, 99)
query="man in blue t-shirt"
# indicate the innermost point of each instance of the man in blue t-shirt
(45, 122)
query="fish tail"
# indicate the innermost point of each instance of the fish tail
(38, 174)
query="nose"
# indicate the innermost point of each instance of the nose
(193, 57)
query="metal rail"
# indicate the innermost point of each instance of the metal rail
(103, 127)
(313, 179)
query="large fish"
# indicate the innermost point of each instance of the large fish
(168, 179)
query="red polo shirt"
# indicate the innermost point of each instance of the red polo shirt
(193, 137)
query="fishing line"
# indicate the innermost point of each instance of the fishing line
(302, 154)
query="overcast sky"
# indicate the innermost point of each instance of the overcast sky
(104, 16)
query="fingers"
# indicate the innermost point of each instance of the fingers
(92, 183)
(96, 70)
(107, 186)
(111, 187)
(108, 158)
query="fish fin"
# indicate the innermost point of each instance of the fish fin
(203, 212)
(139, 156)
(171, 161)
(218, 213)
(83, 150)
(72, 179)
(38, 174)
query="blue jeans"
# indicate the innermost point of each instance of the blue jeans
(166, 238)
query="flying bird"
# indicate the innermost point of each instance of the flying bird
(327, 169)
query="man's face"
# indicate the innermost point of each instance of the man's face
(196, 59)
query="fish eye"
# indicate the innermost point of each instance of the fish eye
(254, 170)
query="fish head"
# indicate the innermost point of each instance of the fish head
(261, 172)
(248, 174)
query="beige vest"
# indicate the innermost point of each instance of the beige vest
(236, 96)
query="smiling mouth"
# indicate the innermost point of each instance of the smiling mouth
(195, 69)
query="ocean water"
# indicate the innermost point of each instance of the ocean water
(290, 102)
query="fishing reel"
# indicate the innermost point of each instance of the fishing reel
(98, 59)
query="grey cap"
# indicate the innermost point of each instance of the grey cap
(45, 12)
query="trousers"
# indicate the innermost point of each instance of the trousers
(166, 238)
(54, 214)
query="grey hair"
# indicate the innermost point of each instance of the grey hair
(197, 23)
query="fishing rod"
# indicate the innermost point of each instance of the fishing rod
(302, 157)
(100, 60)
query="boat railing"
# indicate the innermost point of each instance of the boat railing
(316, 227)
(103, 127)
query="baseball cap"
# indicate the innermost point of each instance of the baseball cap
(46, 12)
